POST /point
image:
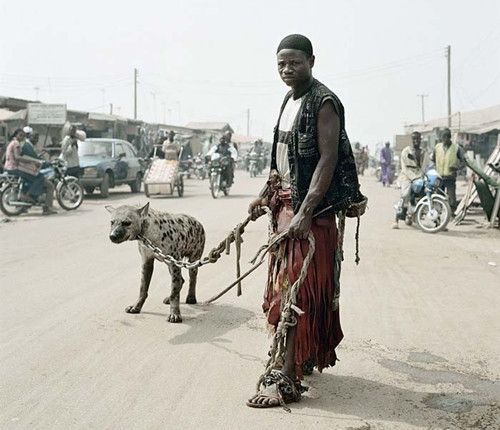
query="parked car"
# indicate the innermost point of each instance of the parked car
(107, 163)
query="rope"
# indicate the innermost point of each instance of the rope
(287, 318)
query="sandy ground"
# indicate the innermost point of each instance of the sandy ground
(420, 317)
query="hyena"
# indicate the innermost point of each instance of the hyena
(180, 236)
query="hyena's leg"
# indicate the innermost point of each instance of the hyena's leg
(147, 273)
(177, 281)
(191, 297)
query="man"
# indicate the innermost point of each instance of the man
(447, 157)
(386, 164)
(28, 149)
(225, 149)
(69, 152)
(171, 148)
(412, 158)
(309, 157)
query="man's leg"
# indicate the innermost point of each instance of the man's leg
(268, 396)
(452, 193)
(403, 201)
(49, 194)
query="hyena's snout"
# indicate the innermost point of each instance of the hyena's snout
(118, 234)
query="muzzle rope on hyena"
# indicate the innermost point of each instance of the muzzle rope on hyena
(178, 235)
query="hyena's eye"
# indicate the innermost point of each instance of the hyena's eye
(126, 223)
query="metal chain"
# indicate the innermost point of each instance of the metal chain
(212, 257)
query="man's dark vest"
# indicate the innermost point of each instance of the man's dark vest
(303, 154)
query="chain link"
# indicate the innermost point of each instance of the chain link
(212, 257)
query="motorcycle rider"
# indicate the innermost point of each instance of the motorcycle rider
(258, 151)
(412, 158)
(28, 149)
(27, 168)
(225, 149)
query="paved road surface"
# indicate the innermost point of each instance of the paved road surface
(420, 316)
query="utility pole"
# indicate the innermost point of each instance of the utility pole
(422, 102)
(248, 122)
(135, 93)
(448, 57)
(111, 108)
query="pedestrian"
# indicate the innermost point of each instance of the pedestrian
(412, 158)
(69, 152)
(386, 164)
(312, 170)
(447, 157)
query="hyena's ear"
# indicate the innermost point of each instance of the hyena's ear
(143, 212)
(109, 208)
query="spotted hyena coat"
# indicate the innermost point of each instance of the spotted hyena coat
(178, 235)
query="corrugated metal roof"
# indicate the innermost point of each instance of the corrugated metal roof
(8, 115)
(476, 121)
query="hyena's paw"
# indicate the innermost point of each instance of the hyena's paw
(166, 300)
(174, 318)
(132, 310)
(191, 300)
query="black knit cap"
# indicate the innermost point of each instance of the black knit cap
(296, 41)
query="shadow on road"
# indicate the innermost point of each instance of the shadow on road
(376, 401)
(208, 323)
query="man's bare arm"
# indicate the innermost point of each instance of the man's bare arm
(328, 143)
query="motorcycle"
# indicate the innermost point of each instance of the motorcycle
(217, 172)
(429, 207)
(255, 164)
(68, 191)
(199, 168)
(186, 167)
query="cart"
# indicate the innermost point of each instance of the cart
(163, 177)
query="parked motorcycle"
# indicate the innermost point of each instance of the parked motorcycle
(218, 171)
(68, 191)
(429, 207)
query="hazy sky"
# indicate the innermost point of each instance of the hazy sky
(203, 60)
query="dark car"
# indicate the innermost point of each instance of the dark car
(107, 163)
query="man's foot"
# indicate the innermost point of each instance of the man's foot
(395, 225)
(278, 389)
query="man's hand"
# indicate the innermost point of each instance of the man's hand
(256, 208)
(300, 226)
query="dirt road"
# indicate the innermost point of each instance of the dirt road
(420, 317)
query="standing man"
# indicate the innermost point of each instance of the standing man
(386, 164)
(447, 157)
(69, 152)
(312, 171)
(412, 158)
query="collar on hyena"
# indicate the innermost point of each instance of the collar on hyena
(127, 222)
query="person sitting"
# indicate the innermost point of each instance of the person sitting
(28, 149)
(27, 168)
(412, 158)
(225, 149)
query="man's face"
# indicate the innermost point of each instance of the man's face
(294, 67)
(72, 131)
(21, 136)
(447, 137)
(416, 140)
